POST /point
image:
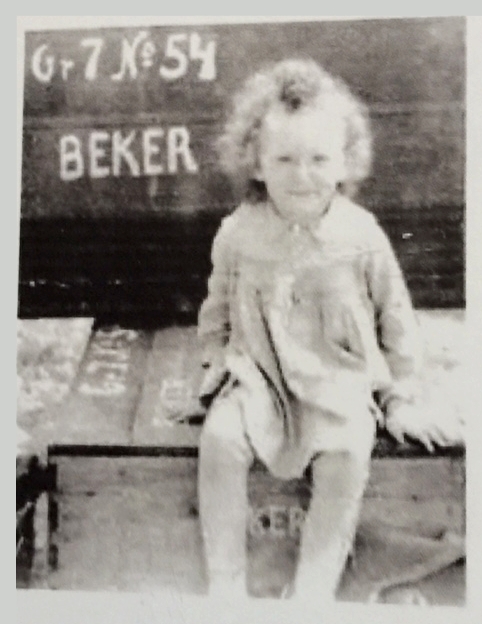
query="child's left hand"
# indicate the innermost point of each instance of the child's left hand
(408, 420)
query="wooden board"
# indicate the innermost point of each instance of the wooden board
(132, 523)
(157, 267)
(98, 91)
(404, 485)
(172, 378)
(133, 387)
(121, 190)
(101, 405)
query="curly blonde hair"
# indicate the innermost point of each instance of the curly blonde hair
(295, 83)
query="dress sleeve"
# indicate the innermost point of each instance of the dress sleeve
(397, 325)
(214, 316)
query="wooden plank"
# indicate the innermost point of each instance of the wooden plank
(129, 538)
(172, 378)
(101, 405)
(103, 538)
(417, 103)
(407, 490)
(408, 479)
(416, 479)
(174, 370)
(431, 516)
(111, 101)
(120, 540)
(143, 537)
(140, 530)
(414, 497)
(92, 474)
(160, 264)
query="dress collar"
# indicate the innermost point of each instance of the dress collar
(315, 230)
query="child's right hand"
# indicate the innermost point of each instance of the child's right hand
(406, 419)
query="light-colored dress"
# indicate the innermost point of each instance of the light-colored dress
(311, 323)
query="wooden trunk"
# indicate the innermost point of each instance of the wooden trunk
(123, 512)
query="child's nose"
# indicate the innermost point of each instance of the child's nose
(302, 171)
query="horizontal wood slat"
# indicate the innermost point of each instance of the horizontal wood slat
(160, 267)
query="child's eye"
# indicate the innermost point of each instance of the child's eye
(320, 158)
(284, 159)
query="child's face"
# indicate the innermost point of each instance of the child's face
(301, 160)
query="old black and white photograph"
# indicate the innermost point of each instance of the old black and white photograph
(242, 310)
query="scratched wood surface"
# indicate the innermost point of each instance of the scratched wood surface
(124, 512)
(125, 81)
(121, 193)
(135, 527)
(173, 373)
(158, 268)
(134, 386)
(101, 406)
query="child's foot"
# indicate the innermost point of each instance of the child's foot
(227, 588)
(287, 591)
(313, 595)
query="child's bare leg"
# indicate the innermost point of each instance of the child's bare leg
(339, 481)
(225, 458)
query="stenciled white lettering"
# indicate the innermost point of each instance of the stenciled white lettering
(120, 152)
(71, 161)
(43, 67)
(128, 59)
(91, 67)
(206, 54)
(178, 147)
(177, 56)
(276, 521)
(105, 373)
(150, 149)
(107, 388)
(96, 153)
(295, 520)
(135, 153)
(65, 66)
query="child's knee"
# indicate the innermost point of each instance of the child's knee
(223, 430)
(339, 474)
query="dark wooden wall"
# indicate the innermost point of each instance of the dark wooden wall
(130, 240)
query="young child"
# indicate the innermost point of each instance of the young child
(307, 318)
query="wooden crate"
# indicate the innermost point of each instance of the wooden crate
(124, 510)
